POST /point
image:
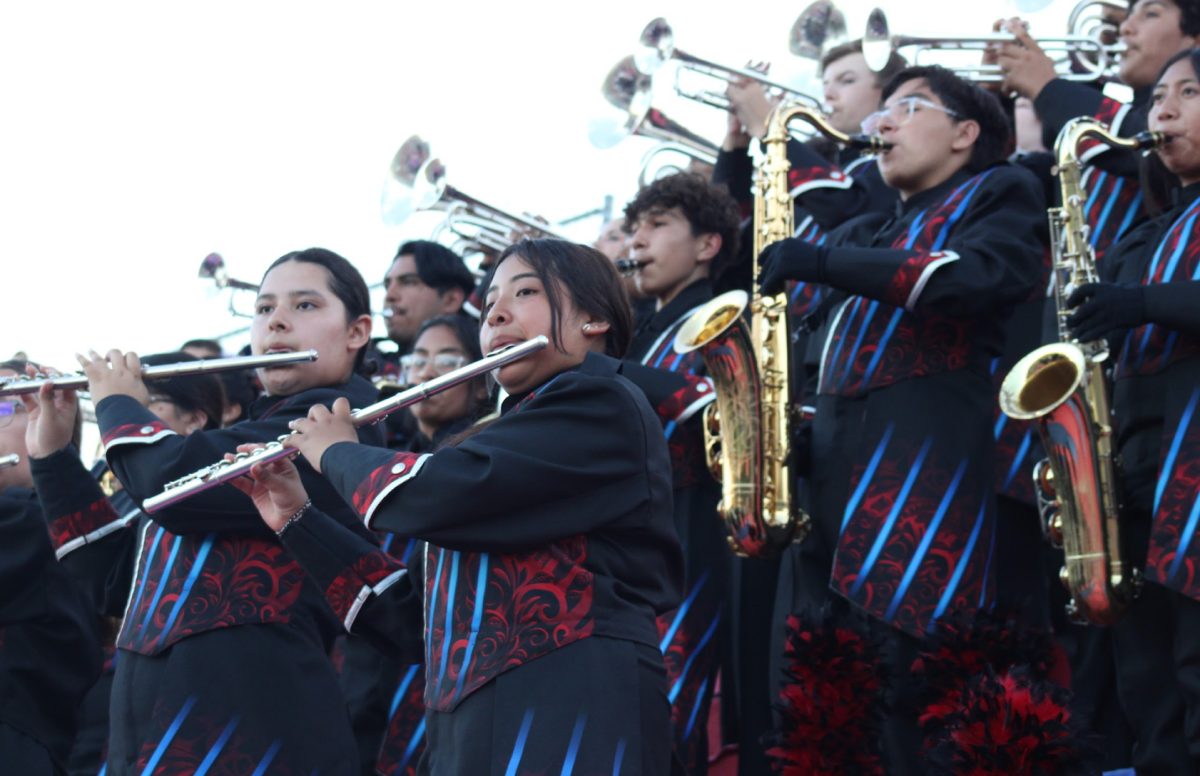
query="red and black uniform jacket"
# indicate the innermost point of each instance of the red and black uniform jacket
(1156, 391)
(210, 562)
(928, 292)
(49, 640)
(551, 525)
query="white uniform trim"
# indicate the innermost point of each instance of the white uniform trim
(408, 475)
(139, 440)
(366, 592)
(97, 535)
(946, 258)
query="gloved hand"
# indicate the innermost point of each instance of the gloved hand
(790, 259)
(1099, 308)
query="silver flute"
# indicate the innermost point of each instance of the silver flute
(222, 472)
(10, 386)
(12, 459)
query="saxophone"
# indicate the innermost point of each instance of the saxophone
(747, 431)
(1061, 388)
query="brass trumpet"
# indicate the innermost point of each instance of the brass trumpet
(12, 459)
(1077, 57)
(417, 181)
(225, 471)
(12, 386)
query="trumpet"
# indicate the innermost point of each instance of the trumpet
(1077, 57)
(225, 471)
(658, 47)
(628, 90)
(819, 28)
(6, 461)
(10, 386)
(417, 181)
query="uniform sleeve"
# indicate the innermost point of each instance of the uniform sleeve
(1061, 100)
(1175, 306)
(371, 592)
(675, 396)
(992, 258)
(27, 552)
(735, 171)
(146, 455)
(567, 461)
(93, 542)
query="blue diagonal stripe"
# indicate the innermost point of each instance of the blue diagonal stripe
(413, 743)
(1185, 539)
(402, 690)
(699, 704)
(862, 330)
(215, 751)
(573, 746)
(1026, 441)
(432, 611)
(882, 346)
(926, 542)
(146, 569)
(681, 612)
(687, 665)
(868, 473)
(193, 573)
(452, 585)
(987, 566)
(514, 761)
(890, 522)
(476, 619)
(1168, 466)
(267, 758)
(168, 736)
(959, 570)
(1108, 206)
(1134, 206)
(618, 757)
(162, 581)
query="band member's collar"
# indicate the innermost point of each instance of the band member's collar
(924, 199)
(1182, 197)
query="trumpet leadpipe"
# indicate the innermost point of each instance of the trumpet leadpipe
(222, 472)
(15, 387)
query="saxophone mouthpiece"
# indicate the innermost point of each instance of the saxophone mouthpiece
(869, 143)
(1148, 140)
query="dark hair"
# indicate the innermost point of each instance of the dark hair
(587, 276)
(1189, 15)
(1158, 183)
(970, 103)
(191, 393)
(894, 65)
(708, 208)
(204, 344)
(438, 267)
(466, 331)
(345, 281)
(18, 364)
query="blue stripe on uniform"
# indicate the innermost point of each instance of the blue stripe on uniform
(960, 569)
(1164, 476)
(926, 541)
(162, 582)
(890, 523)
(687, 666)
(413, 743)
(215, 751)
(267, 758)
(573, 747)
(452, 586)
(146, 570)
(514, 761)
(868, 473)
(476, 619)
(168, 736)
(197, 564)
(681, 612)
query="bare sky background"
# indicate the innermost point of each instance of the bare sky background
(140, 136)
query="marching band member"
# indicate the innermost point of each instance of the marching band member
(901, 478)
(550, 546)
(49, 640)
(1149, 306)
(94, 522)
(684, 230)
(426, 279)
(223, 650)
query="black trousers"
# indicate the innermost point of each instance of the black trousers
(21, 754)
(1157, 649)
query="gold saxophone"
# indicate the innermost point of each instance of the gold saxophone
(747, 430)
(1061, 387)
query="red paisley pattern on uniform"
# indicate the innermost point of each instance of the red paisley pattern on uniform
(196, 738)
(91, 518)
(242, 580)
(368, 570)
(1179, 499)
(921, 599)
(365, 494)
(404, 738)
(533, 603)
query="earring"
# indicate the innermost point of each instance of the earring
(587, 327)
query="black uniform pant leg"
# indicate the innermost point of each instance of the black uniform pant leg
(1187, 669)
(21, 754)
(1021, 584)
(1144, 647)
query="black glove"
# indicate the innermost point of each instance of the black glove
(790, 259)
(1100, 308)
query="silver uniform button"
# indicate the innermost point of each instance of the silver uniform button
(399, 468)
(147, 429)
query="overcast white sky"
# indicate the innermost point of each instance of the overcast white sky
(140, 136)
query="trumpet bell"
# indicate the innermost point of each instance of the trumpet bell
(416, 181)
(820, 27)
(877, 42)
(657, 46)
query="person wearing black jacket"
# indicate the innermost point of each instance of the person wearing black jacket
(49, 639)
(550, 544)
(223, 650)
(1148, 306)
(903, 498)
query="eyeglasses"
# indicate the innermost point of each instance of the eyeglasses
(412, 365)
(8, 409)
(901, 111)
